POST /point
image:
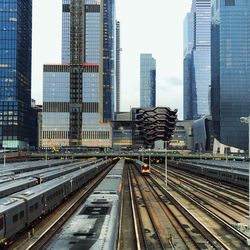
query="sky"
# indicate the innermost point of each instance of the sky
(147, 26)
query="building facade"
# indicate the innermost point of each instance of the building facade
(17, 118)
(203, 133)
(182, 136)
(230, 89)
(118, 68)
(122, 131)
(197, 62)
(79, 94)
(147, 81)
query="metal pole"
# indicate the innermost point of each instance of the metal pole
(166, 165)
(46, 154)
(142, 155)
(149, 158)
(4, 157)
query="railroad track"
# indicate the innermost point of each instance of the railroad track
(224, 187)
(190, 235)
(149, 234)
(224, 194)
(47, 227)
(128, 235)
(219, 233)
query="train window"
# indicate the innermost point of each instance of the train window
(36, 206)
(21, 214)
(15, 218)
(1, 223)
(31, 209)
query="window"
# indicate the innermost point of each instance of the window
(31, 209)
(21, 215)
(15, 218)
(1, 223)
(229, 2)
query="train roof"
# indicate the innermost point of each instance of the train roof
(34, 191)
(8, 203)
(110, 184)
(224, 164)
(11, 184)
(29, 166)
(89, 228)
(5, 173)
(37, 190)
(115, 172)
(227, 168)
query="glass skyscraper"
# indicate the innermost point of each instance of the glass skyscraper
(79, 93)
(147, 81)
(17, 118)
(118, 69)
(230, 89)
(197, 62)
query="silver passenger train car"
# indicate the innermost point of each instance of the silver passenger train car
(19, 210)
(96, 224)
(232, 175)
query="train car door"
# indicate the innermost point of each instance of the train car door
(2, 227)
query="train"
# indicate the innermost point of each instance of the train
(144, 167)
(22, 167)
(23, 181)
(235, 176)
(95, 225)
(20, 210)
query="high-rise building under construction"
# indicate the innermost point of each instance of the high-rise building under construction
(78, 95)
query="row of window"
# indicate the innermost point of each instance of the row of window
(15, 217)
(90, 135)
(55, 134)
(95, 135)
(54, 195)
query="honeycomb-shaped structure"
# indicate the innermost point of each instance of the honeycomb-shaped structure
(155, 124)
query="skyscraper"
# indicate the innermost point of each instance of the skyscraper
(118, 70)
(188, 66)
(197, 63)
(79, 94)
(230, 88)
(147, 81)
(17, 118)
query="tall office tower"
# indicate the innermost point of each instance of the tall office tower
(188, 35)
(230, 88)
(17, 118)
(79, 94)
(147, 81)
(118, 69)
(197, 62)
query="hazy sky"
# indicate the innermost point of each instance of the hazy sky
(147, 26)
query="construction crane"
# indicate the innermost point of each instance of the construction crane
(53, 147)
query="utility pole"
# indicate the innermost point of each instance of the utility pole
(4, 157)
(166, 163)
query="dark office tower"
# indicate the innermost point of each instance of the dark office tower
(79, 94)
(17, 119)
(109, 29)
(118, 69)
(197, 69)
(147, 81)
(230, 62)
